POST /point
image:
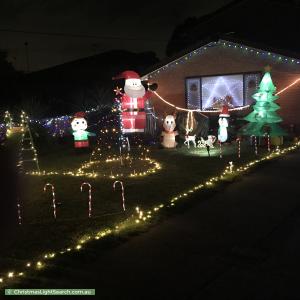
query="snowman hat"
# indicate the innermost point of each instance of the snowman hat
(225, 112)
(127, 75)
(80, 114)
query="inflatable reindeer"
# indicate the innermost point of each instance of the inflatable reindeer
(168, 135)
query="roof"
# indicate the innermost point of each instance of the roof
(277, 54)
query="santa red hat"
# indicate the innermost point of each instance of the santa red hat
(225, 112)
(127, 75)
(80, 114)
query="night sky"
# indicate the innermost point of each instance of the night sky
(74, 29)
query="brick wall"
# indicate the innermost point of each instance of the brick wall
(220, 60)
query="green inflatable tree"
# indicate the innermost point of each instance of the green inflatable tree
(263, 119)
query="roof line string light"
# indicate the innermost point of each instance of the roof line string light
(224, 43)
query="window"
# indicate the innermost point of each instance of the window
(212, 92)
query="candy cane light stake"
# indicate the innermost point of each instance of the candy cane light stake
(220, 143)
(19, 214)
(53, 197)
(90, 196)
(239, 147)
(123, 197)
(255, 143)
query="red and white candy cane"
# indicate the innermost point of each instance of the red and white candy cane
(255, 143)
(90, 196)
(239, 147)
(123, 197)
(53, 197)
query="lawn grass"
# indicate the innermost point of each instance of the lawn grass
(182, 169)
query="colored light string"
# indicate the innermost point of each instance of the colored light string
(226, 44)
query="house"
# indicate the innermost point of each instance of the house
(226, 71)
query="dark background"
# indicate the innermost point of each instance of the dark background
(59, 56)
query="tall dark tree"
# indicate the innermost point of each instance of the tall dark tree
(9, 81)
(235, 21)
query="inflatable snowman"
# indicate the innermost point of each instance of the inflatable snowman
(79, 126)
(223, 124)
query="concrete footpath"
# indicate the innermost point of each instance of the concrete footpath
(242, 243)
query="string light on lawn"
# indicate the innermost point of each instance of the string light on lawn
(140, 217)
(81, 172)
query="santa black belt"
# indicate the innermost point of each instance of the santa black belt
(133, 110)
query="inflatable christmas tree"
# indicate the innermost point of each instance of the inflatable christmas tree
(263, 120)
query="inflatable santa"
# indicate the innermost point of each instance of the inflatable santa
(223, 124)
(133, 101)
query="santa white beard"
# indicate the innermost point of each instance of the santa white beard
(133, 93)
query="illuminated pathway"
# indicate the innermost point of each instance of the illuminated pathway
(242, 243)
